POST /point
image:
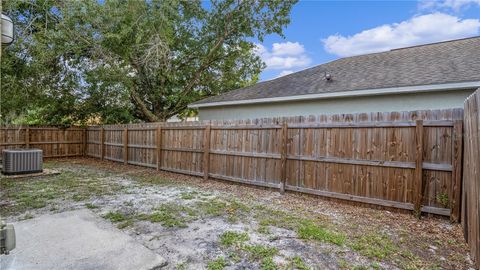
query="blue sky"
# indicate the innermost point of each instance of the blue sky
(321, 31)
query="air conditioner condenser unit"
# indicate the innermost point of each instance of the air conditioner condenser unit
(22, 161)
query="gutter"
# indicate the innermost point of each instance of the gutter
(352, 93)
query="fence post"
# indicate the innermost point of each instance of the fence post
(206, 151)
(27, 137)
(125, 146)
(159, 147)
(284, 147)
(102, 141)
(457, 170)
(418, 177)
(85, 142)
(62, 146)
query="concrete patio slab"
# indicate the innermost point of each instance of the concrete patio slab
(76, 240)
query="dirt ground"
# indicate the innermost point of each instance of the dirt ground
(198, 224)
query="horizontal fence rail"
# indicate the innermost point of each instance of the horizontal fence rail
(406, 160)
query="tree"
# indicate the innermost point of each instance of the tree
(155, 57)
(39, 83)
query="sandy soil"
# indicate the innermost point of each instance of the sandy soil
(197, 224)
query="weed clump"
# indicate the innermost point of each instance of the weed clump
(217, 264)
(231, 238)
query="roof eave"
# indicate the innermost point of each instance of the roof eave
(351, 93)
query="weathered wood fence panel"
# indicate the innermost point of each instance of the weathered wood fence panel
(471, 176)
(94, 143)
(54, 141)
(182, 149)
(407, 160)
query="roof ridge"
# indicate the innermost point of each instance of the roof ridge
(434, 43)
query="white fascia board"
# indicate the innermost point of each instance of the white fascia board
(352, 93)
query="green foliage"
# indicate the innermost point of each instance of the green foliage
(442, 198)
(188, 195)
(77, 62)
(171, 215)
(49, 190)
(374, 245)
(115, 216)
(217, 264)
(181, 266)
(263, 230)
(91, 206)
(305, 228)
(296, 262)
(124, 220)
(213, 207)
(231, 238)
(268, 264)
(310, 230)
(258, 252)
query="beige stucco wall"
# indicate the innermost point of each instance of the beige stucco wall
(384, 103)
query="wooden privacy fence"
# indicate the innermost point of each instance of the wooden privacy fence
(471, 176)
(407, 160)
(54, 141)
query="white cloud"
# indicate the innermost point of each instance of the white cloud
(284, 73)
(417, 30)
(447, 4)
(285, 55)
(287, 48)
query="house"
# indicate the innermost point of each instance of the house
(432, 76)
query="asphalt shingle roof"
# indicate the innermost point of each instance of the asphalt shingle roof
(437, 63)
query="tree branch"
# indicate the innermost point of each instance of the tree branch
(206, 63)
(141, 105)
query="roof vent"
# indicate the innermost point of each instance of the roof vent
(327, 76)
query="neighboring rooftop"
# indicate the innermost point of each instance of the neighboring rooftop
(446, 62)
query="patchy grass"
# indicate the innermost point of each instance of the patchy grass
(217, 264)
(231, 209)
(181, 266)
(125, 224)
(263, 230)
(213, 207)
(309, 230)
(123, 220)
(231, 238)
(171, 215)
(268, 264)
(115, 216)
(374, 245)
(188, 195)
(260, 252)
(91, 206)
(39, 192)
(296, 262)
